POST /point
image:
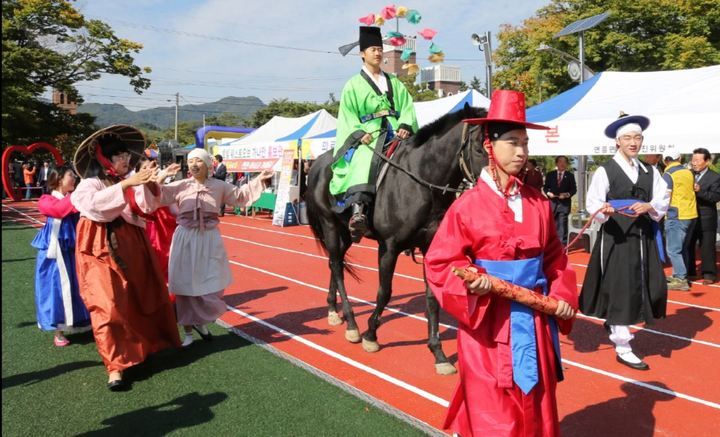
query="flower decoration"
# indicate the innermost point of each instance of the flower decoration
(413, 16)
(388, 12)
(406, 55)
(436, 57)
(379, 21)
(412, 69)
(428, 34)
(402, 11)
(434, 48)
(368, 20)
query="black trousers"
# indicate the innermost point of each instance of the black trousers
(705, 230)
(560, 214)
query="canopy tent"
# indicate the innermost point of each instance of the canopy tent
(683, 107)
(427, 112)
(263, 148)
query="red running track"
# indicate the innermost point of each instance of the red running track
(278, 297)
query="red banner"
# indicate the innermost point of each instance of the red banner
(250, 165)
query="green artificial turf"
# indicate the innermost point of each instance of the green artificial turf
(227, 387)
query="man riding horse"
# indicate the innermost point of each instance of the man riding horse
(374, 108)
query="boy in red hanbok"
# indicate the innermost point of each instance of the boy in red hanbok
(508, 354)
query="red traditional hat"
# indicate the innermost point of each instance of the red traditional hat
(506, 106)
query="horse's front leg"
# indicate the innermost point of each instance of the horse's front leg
(432, 313)
(387, 260)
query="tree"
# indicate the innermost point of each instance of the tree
(642, 35)
(478, 86)
(49, 44)
(417, 91)
(284, 108)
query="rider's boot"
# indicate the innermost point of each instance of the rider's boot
(358, 222)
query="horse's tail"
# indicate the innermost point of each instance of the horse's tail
(314, 209)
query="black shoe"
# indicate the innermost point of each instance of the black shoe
(357, 226)
(207, 337)
(642, 365)
(117, 385)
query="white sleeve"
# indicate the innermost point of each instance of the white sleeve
(661, 197)
(597, 194)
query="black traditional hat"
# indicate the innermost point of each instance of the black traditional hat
(370, 36)
(622, 120)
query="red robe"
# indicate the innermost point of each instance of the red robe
(480, 225)
(160, 232)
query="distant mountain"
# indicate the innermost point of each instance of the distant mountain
(164, 117)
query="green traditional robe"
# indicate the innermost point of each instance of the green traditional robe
(361, 97)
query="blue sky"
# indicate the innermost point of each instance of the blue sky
(212, 63)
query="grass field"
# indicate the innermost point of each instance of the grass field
(227, 387)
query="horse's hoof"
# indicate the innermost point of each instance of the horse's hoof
(370, 346)
(352, 335)
(334, 318)
(445, 369)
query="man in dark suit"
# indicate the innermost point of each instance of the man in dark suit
(221, 174)
(43, 176)
(707, 193)
(559, 188)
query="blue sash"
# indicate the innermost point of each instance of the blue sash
(526, 273)
(621, 204)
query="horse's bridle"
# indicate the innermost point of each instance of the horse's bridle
(465, 155)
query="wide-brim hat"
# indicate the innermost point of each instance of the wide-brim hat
(624, 119)
(506, 106)
(132, 137)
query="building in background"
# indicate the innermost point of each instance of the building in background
(445, 80)
(61, 100)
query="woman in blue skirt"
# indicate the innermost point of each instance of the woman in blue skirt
(58, 304)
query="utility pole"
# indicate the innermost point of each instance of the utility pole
(177, 104)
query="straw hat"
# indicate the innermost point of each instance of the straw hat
(130, 136)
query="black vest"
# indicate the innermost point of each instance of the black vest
(621, 187)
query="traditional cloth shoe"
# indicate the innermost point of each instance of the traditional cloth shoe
(61, 341)
(188, 340)
(631, 360)
(205, 333)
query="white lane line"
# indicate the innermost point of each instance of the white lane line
(22, 213)
(312, 255)
(423, 319)
(438, 400)
(644, 384)
(324, 290)
(287, 233)
(653, 331)
(358, 365)
(693, 305)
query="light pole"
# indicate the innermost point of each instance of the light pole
(483, 44)
(574, 65)
(580, 27)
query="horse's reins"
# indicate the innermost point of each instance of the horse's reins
(444, 189)
(620, 211)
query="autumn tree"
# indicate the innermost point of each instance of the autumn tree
(50, 45)
(639, 35)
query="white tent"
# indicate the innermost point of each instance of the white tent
(263, 148)
(427, 112)
(683, 107)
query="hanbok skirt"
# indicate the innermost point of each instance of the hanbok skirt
(125, 292)
(199, 272)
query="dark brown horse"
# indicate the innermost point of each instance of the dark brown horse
(409, 205)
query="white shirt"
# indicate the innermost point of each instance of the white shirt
(600, 186)
(698, 176)
(514, 202)
(380, 81)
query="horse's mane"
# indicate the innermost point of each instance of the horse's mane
(447, 122)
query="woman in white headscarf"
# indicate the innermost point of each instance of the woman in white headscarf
(199, 270)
